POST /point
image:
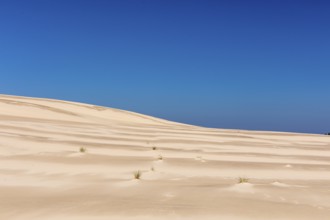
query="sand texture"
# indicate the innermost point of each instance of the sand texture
(186, 172)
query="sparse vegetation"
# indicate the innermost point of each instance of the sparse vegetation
(154, 148)
(243, 180)
(152, 169)
(160, 157)
(137, 175)
(82, 150)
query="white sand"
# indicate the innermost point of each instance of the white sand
(43, 176)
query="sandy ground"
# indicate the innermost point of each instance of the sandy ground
(187, 172)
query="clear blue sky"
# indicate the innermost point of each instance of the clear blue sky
(261, 65)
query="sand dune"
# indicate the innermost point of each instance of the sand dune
(187, 172)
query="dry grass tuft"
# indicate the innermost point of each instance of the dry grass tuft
(137, 175)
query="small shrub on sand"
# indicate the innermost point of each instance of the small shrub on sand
(243, 180)
(160, 157)
(137, 175)
(82, 150)
(154, 148)
(152, 168)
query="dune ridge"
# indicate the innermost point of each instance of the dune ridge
(187, 172)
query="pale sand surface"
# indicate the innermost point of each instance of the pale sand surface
(43, 176)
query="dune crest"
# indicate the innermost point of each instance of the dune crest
(68, 160)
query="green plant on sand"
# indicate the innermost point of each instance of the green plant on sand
(243, 180)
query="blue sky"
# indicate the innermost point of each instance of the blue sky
(261, 65)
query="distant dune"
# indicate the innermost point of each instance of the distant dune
(73, 161)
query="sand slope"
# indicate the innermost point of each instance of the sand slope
(192, 173)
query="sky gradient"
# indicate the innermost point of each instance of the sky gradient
(259, 65)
